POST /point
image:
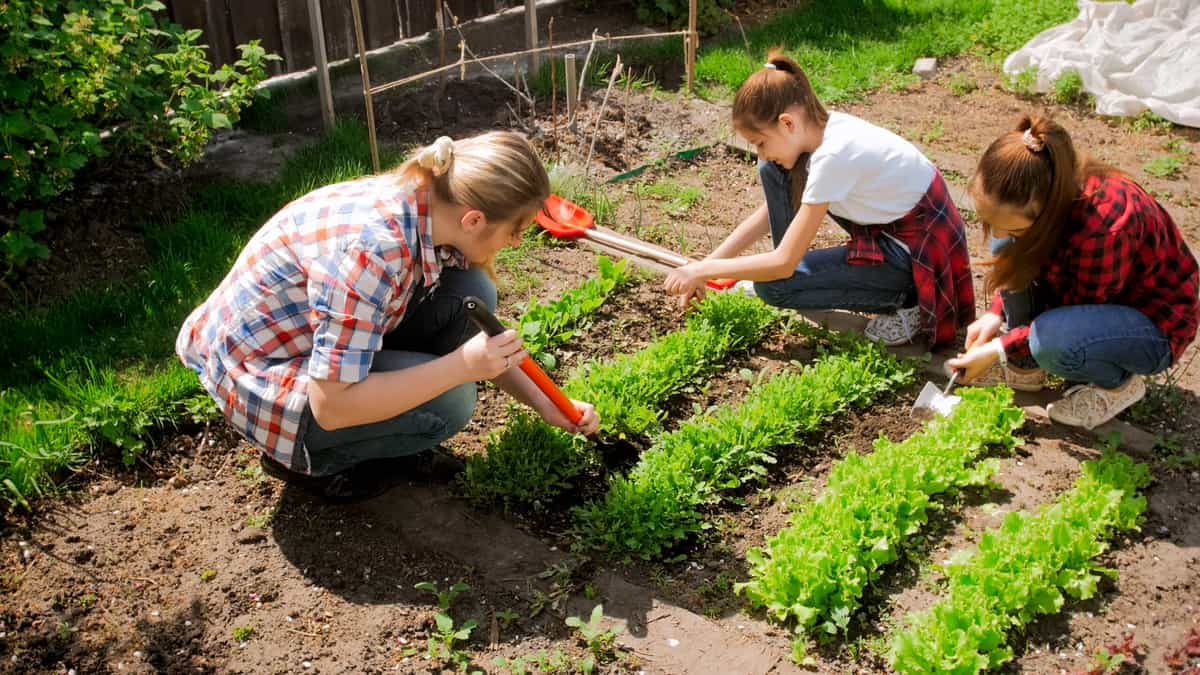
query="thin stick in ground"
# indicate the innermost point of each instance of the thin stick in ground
(553, 91)
(612, 79)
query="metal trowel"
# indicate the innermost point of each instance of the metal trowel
(933, 401)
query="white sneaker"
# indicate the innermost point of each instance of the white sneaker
(895, 329)
(1089, 406)
(1021, 380)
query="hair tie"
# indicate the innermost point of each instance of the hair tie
(1032, 142)
(770, 66)
(437, 157)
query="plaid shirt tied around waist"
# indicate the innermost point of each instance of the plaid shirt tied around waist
(935, 236)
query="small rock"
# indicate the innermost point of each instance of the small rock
(252, 535)
(83, 555)
(925, 68)
(177, 481)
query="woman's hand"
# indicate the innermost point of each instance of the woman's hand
(685, 280)
(588, 424)
(686, 300)
(488, 357)
(982, 330)
(974, 362)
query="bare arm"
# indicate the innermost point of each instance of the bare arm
(384, 394)
(777, 264)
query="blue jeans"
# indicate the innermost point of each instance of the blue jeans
(432, 327)
(823, 279)
(1097, 344)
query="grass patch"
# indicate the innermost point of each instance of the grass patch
(851, 47)
(98, 369)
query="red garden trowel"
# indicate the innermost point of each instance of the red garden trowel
(933, 401)
(489, 324)
(566, 219)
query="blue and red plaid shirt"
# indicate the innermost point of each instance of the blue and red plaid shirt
(1120, 247)
(934, 234)
(311, 297)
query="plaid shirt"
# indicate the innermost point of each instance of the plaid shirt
(935, 236)
(1120, 247)
(311, 296)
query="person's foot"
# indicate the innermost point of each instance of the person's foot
(895, 329)
(370, 478)
(1089, 406)
(1020, 379)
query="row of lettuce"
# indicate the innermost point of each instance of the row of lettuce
(812, 575)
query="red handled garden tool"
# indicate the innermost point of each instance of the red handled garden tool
(933, 401)
(566, 219)
(489, 324)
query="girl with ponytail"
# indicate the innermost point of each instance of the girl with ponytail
(338, 343)
(1090, 275)
(907, 258)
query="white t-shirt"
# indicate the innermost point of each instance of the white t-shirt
(867, 174)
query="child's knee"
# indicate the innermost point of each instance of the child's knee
(1051, 350)
(476, 282)
(455, 407)
(770, 292)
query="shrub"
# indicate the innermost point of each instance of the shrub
(710, 14)
(70, 70)
(1068, 88)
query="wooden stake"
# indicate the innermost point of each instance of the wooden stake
(441, 33)
(317, 27)
(366, 83)
(612, 79)
(569, 61)
(553, 87)
(692, 41)
(531, 36)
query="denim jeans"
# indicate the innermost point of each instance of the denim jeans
(1097, 344)
(823, 279)
(432, 327)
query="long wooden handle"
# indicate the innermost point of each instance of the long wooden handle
(489, 324)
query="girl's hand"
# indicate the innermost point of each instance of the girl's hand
(487, 357)
(685, 280)
(686, 300)
(974, 362)
(588, 424)
(982, 330)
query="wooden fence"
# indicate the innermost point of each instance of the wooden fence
(283, 25)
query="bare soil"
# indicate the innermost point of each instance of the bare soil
(154, 570)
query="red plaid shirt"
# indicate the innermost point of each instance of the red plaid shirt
(936, 238)
(1120, 247)
(311, 297)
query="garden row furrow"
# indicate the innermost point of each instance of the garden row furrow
(662, 500)
(1026, 567)
(545, 325)
(814, 571)
(530, 461)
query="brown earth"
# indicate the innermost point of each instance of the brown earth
(153, 571)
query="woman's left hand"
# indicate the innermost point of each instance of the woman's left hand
(974, 362)
(685, 280)
(588, 424)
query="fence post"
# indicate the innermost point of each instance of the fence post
(317, 27)
(569, 59)
(531, 36)
(366, 83)
(693, 40)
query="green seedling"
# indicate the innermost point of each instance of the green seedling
(243, 633)
(444, 598)
(962, 84)
(208, 575)
(442, 643)
(600, 641)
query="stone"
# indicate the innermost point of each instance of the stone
(925, 67)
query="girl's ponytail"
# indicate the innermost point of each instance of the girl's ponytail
(771, 91)
(1034, 168)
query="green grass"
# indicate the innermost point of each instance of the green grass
(849, 47)
(98, 369)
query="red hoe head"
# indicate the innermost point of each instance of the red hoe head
(564, 218)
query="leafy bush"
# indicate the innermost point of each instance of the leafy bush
(627, 389)
(814, 571)
(526, 464)
(1068, 88)
(710, 14)
(70, 70)
(1024, 568)
(660, 502)
(545, 325)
